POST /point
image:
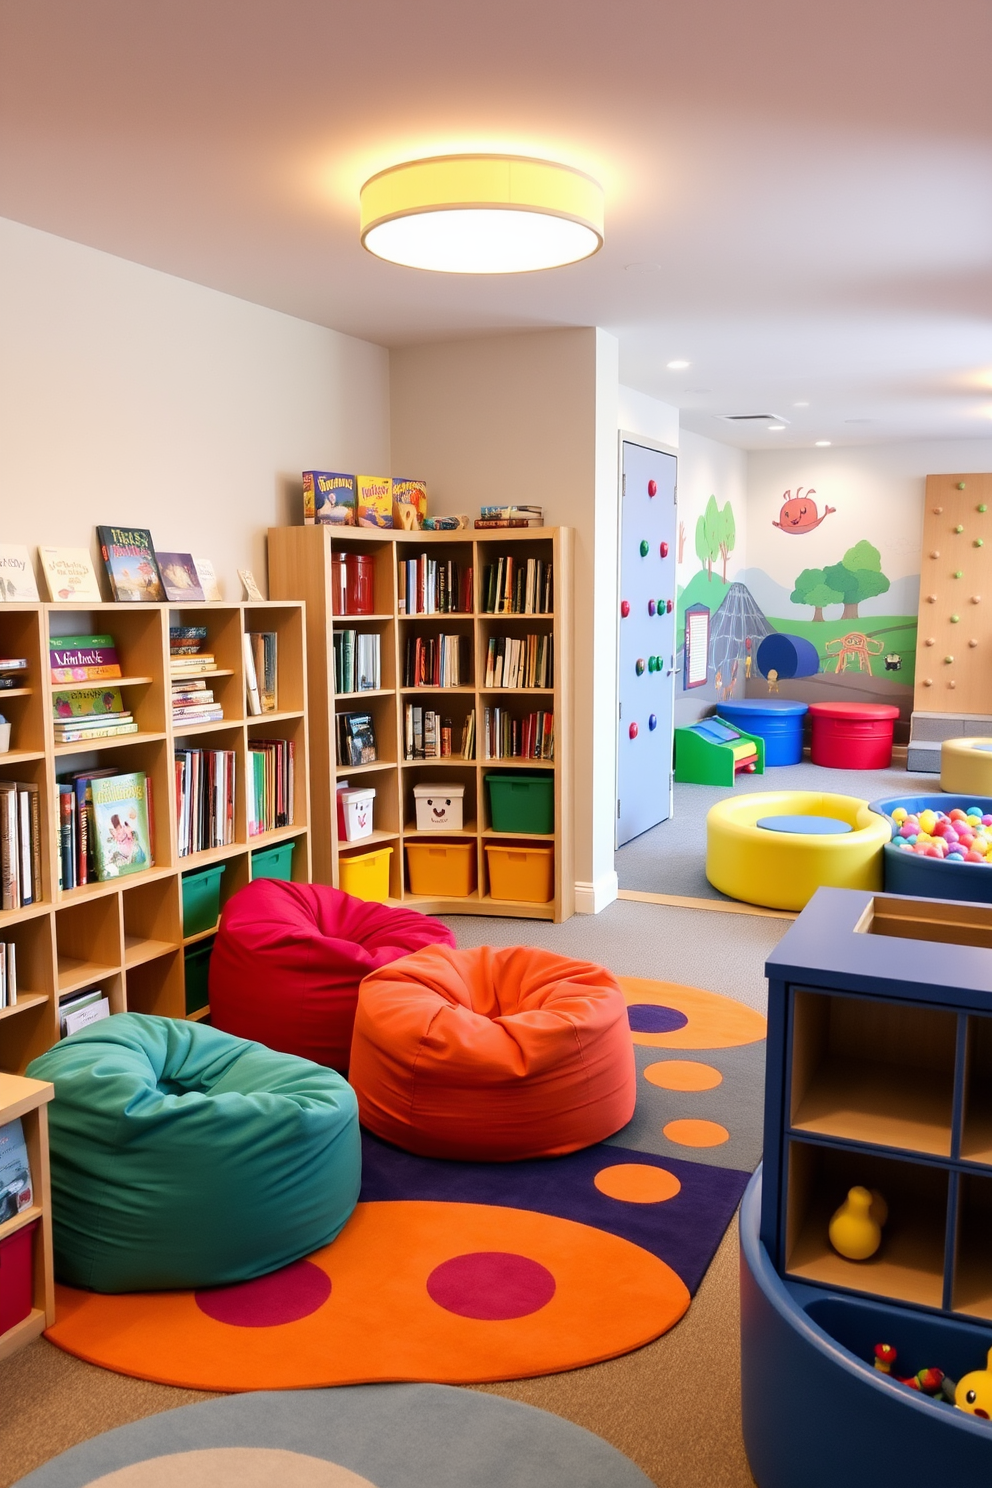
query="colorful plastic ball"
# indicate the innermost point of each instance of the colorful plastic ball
(639, 666)
(632, 731)
(645, 548)
(652, 607)
(653, 721)
(625, 608)
(652, 488)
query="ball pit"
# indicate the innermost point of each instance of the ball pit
(940, 848)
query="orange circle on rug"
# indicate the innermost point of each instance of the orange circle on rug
(232, 1467)
(708, 1021)
(637, 1183)
(694, 1133)
(379, 1321)
(682, 1074)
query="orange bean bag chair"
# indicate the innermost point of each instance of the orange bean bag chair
(289, 957)
(492, 1055)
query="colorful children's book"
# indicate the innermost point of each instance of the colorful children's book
(90, 658)
(16, 1192)
(17, 580)
(208, 580)
(121, 838)
(409, 494)
(375, 501)
(328, 498)
(180, 578)
(132, 568)
(87, 702)
(70, 576)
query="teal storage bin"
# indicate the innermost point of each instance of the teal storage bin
(522, 803)
(201, 899)
(197, 969)
(273, 862)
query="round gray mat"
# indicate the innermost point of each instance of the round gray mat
(360, 1436)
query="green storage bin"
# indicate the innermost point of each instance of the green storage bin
(522, 803)
(197, 969)
(201, 899)
(273, 862)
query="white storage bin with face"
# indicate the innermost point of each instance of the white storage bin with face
(355, 813)
(439, 807)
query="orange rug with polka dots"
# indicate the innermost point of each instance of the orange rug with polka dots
(463, 1272)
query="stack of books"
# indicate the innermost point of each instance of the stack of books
(520, 661)
(356, 739)
(204, 799)
(433, 586)
(532, 737)
(88, 658)
(357, 661)
(518, 586)
(193, 702)
(434, 661)
(271, 785)
(8, 974)
(79, 1009)
(12, 672)
(261, 683)
(187, 657)
(90, 713)
(510, 516)
(20, 844)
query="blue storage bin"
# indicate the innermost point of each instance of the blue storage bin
(776, 720)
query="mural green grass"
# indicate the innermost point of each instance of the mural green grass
(700, 590)
(896, 632)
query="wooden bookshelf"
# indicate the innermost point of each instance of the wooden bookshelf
(126, 935)
(28, 1100)
(300, 566)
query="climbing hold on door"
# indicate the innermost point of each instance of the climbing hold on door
(653, 721)
(668, 606)
(652, 488)
(645, 547)
(651, 606)
(639, 666)
(632, 731)
(664, 550)
(624, 608)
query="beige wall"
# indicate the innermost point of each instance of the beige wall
(131, 397)
(533, 418)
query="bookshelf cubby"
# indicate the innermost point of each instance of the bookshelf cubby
(126, 935)
(301, 565)
(27, 1101)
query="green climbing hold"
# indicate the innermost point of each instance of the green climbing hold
(978, 543)
(959, 528)
(948, 660)
(982, 507)
(645, 548)
(958, 574)
(955, 619)
(960, 485)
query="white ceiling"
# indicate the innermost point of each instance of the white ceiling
(799, 192)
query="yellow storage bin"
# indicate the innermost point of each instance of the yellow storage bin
(442, 869)
(525, 873)
(366, 875)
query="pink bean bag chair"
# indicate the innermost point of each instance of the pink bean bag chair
(288, 959)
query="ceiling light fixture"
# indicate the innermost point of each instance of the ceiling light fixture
(800, 405)
(482, 214)
(822, 443)
(776, 426)
(677, 366)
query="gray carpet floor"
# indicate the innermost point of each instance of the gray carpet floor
(671, 858)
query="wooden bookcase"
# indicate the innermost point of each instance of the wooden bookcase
(300, 560)
(880, 1073)
(126, 935)
(28, 1100)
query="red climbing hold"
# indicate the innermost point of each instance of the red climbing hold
(652, 488)
(664, 550)
(632, 731)
(625, 608)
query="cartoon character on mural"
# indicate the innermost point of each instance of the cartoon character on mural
(799, 513)
(854, 647)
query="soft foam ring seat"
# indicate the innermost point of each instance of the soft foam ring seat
(966, 766)
(183, 1157)
(492, 1055)
(835, 841)
(289, 957)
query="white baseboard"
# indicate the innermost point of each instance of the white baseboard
(590, 898)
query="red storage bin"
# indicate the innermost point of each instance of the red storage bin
(360, 596)
(339, 585)
(16, 1291)
(852, 736)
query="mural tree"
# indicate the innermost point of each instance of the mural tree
(716, 534)
(858, 576)
(728, 536)
(812, 589)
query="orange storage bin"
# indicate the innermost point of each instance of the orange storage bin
(366, 875)
(442, 868)
(526, 873)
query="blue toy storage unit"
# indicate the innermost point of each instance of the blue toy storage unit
(880, 1074)
(776, 720)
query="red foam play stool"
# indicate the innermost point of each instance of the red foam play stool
(852, 736)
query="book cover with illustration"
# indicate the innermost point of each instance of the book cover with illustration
(17, 580)
(209, 582)
(375, 501)
(132, 568)
(121, 840)
(409, 495)
(180, 578)
(70, 576)
(16, 1191)
(88, 703)
(83, 658)
(328, 498)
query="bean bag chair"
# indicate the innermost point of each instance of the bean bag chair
(492, 1055)
(182, 1157)
(288, 959)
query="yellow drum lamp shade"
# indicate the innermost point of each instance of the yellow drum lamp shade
(482, 214)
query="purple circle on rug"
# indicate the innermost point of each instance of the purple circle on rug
(648, 1017)
(282, 1297)
(491, 1285)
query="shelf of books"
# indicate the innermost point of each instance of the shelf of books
(154, 748)
(439, 659)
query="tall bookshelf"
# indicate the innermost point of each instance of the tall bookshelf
(125, 935)
(300, 565)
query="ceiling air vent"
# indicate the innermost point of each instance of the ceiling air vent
(754, 418)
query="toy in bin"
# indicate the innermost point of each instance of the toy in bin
(714, 752)
(439, 806)
(354, 812)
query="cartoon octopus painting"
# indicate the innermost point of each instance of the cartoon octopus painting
(799, 513)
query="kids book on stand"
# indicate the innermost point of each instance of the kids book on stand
(70, 576)
(132, 568)
(180, 578)
(122, 838)
(17, 580)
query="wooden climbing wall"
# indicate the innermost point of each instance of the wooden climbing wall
(954, 646)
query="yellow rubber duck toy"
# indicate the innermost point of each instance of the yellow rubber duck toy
(855, 1231)
(974, 1391)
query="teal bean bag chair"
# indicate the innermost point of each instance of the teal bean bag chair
(185, 1157)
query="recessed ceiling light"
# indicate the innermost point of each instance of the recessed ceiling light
(800, 405)
(822, 443)
(676, 366)
(775, 426)
(482, 214)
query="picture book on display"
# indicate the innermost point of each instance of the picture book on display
(89, 658)
(375, 501)
(121, 836)
(16, 1193)
(329, 498)
(209, 582)
(70, 576)
(132, 568)
(17, 580)
(180, 578)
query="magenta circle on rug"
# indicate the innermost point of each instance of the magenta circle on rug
(492, 1285)
(649, 1017)
(282, 1297)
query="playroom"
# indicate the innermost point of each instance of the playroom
(496, 844)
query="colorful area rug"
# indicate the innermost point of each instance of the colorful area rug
(463, 1272)
(373, 1436)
